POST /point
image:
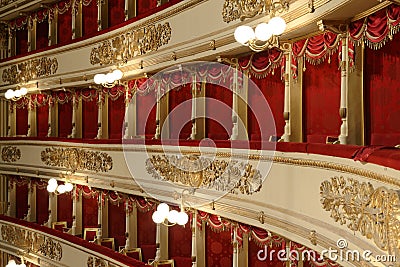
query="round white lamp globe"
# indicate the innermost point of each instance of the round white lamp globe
(158, 217)
(173, 216)
(61, 189)
(99, 78)
(243, 34)
(68, 187)
(9, 94)
(163, 208)
(52, 181)
(263, 32)
(182, 218)
(23, 91)
(278, 25)
(51, 188)
(117, 74)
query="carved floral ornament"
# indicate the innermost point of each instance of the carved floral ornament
(96, 262)
(375, 213)
(77, 159)
(29, 70)
(10, 154)
(131, 44)
(200, 172)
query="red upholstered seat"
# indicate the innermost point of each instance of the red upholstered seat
(59, 226)
(164, 263)
(108, 242)
(89, 234)
(135, 253)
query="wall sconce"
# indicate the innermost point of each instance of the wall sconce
(110, 79)
(15, 94)
(54, 187)
(163, 213)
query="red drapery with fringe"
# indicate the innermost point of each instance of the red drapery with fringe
(64, 208)
(64, 119)
(64, 23)
(180, 110)
(42, 102)
(89, 17)
(89, 212)
(21, 41)
(116, 111)
(89, 113)
(116, 223)
(42, 203)
(146, 115)
(42, 34)
(21, 198)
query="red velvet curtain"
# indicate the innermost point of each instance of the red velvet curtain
(89, 18)
(42, 205)
(22, 199)
(145, 6)
(219, 249)
(321, 100)
(146, 229)
(273, 90)
(146, 115)
(42, 32)
(21, 41)
(180, 241)
(116, 223)
(116, 14)
(64, 208)
(22, 121)
(89, 118)
(272, 261)
(64, 27)
(42, 120)
(382, 93)
(180, 110)
(218, 112)
(64, 119)
(89, 212)
(116, 114)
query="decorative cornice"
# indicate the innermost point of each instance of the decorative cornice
(10, 154)
(77, 159)
(195, 171)
(25, 71)
(130, 44)
(373, 212)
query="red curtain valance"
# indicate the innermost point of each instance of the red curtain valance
(89, 95)
(63, 6)
(115, 92)
(261, 64)
(376, 29)
(317, 262)
(62, 97)
(23, 102)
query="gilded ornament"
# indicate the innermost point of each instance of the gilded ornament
(130, 44)
(96, 262)
(51, 249)
(196, 171)
(10, 154)
(29, 70)
(375, 213)
(77, 159)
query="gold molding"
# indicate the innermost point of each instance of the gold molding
(51, 249)
(10, 154)
(76, 159)
(375, 213)
(28, 70)
(126, 46)
(96, 262)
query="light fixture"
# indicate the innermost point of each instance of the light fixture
(12, 263)
(163, 214)
(265, 35)
(54, 187)
(15, 94)
(110, 79)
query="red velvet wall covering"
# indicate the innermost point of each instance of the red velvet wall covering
(146, 115)
(89, 18)
(89, 212)
(219, 116)
(64, 208)
(382, 93)
(42, 32)
(180, 241)
(42, 205)
(89, 119)
(146, 229)
(321, 99)
(64, 119)
(273, 89)
(180, 110)
(116, 223)
(219, 250)
(21, 41)
(42, 120)
(116, 13)
(116, 114)
(145, 6)
(22, 200)
(64, 27)
(255, 262)
(22, 121)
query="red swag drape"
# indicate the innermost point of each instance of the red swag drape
(22, 121)
(22, 200)
(145, 6)
(64, 208)
(219, 249)
(180, 241)
(89, 212)
(180, 110)
(89, 119)
(272, 261)
(89, 18)
(42, 32)
(116, 223)
(42, 205)
(218, 112)
(64, 119)
(273, 90)
(64, 27)
(116, 14)
(21, 41)
(116, 114)
(146, 115)
(42, 120)
(321, 99)
(382, 93)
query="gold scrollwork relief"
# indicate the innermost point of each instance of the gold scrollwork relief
(375, 213)
(10, 154)
(51, 249)
(196, 171)
(96, 262)
(32, 69)
(131, 44)
(77, 159)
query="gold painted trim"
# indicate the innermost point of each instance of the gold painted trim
(371, 10)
